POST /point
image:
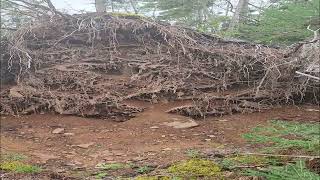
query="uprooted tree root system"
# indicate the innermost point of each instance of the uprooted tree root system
(90, 64)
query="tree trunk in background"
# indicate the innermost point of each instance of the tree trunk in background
(134, 7)
(240, 14)
(100, 6)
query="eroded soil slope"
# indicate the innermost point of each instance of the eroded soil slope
(73, 146)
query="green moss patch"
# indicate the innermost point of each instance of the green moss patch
(19, 167)
(195, 168)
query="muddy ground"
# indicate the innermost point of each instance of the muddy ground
(71, 147)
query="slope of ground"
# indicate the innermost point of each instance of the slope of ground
(84, 143)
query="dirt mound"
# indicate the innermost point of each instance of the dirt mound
(90, 64)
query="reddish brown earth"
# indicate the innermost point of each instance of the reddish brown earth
(143, 139)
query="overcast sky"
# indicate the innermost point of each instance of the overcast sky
(74, 6)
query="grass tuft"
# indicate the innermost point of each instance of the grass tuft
(192, 153)
(144, 169)
(101, 175)
(283, 135)
(19, 167)
(248, 160)
(296, 171)
(112, 166)
(13, 157)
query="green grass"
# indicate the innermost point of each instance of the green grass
(14, 162)
(19, 167)
(101, 175)
(13, 157)
(296, 171)
(283, 135)
(248, 160)
(144, 169)
(192, 153)
(113, 166)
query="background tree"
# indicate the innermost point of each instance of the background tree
(100, 6)
(240, 14)
(283, 23)
(16, 12)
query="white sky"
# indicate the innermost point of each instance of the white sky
(74, 6)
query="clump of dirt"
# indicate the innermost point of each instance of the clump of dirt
(89, 64)
(314, 165)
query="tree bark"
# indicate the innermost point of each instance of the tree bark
(240, 14)
(134, 7)
(100, 6)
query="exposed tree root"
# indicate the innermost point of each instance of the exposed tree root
(88, 64)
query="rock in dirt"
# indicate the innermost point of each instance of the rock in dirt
(154, 127)
(167, 149)
(58, 131)
(182, 124)
(14, 93)
(85, 145)
(68, 134)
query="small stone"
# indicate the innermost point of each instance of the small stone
(85, 145)
(154, 127)
(68, 134)
(120, 154)
(207, 139)
(163, 136)
(181, 125)
(223, 120)
(211, 136)
(228, 174)
(14, 93)
(77, 163)
(58, 131)
(167, 149)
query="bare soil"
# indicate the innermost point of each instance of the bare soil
(144, 140)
